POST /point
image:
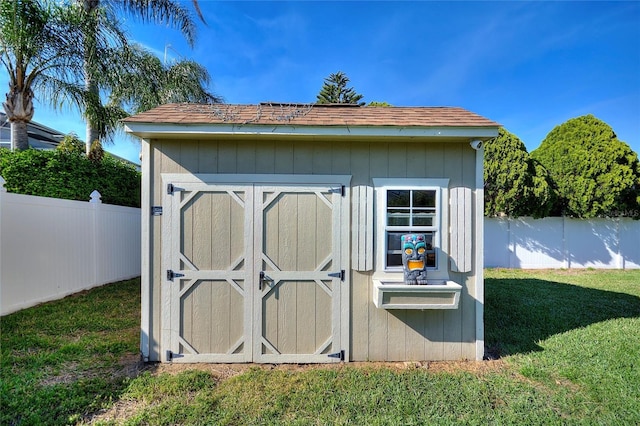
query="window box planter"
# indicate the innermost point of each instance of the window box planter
(397, 295)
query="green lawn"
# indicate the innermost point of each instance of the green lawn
(568, 342)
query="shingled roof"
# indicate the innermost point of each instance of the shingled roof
(311, 115)
(278, 120)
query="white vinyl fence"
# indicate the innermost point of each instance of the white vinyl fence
(557, 242)
(50, 248)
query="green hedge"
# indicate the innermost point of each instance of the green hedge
(70, 175)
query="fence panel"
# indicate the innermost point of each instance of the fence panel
(529, 243)
(50, 248)
(497, 247)
(630, 244)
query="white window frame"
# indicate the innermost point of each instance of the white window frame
(440, 225)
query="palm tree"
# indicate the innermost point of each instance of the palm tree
(135, 79)
(152, 83)
(70, 56)
(39, 49)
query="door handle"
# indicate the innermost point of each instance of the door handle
(264, 278)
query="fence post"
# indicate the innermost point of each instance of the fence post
(96, 197)
(95, 201)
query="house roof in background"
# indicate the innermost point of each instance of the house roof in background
(40, 137)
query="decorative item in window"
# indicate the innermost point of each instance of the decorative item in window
(414, 249)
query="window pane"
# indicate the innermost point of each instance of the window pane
(393, 241)
(428, 236)
(431, 259)
(394, 260)
(424, 198)
(423, 218)
(398, 198)
(398, 217)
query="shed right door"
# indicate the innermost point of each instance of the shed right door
(298, 305)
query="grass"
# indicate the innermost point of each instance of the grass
(568, 344)
(64, 359)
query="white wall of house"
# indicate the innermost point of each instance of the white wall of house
(557, 242)
(50, 248)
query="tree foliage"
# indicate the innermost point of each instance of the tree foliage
(174, 82)
(70, 144)
(75, 53)
(42, 51)
(139, 81)
(335, 91)
(67, 173)
(515, 184)
(594, 172)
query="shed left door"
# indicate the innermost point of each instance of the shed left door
(207, 249)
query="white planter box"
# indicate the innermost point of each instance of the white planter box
(397, 295)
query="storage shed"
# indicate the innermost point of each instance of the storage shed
(271, 232)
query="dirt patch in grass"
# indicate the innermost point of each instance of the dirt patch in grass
(119, 412)
(225, 371)
(128, 366)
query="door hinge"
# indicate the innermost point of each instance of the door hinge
(171, 275)
(171, 356)
(171, 188)
(340, 190)
(339, 355)
(337, 275)
(156, 210)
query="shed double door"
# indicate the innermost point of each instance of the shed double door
(254, 273)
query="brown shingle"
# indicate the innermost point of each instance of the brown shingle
(312, 115)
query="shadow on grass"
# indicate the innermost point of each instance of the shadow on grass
(519, 313)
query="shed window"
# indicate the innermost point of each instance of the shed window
(410, 206)
(410, 211)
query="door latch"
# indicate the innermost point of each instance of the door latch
(264, 279)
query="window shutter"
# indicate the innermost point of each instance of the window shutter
(461, 229)
(362, 253)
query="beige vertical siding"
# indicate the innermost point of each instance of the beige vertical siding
(376, 334)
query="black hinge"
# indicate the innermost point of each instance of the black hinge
(337, 275)
(171, 356)
(171, 275)
(339, 355)
(171, 189)
(340, 190)
(156, 210)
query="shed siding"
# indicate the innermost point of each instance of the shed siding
(377, 334)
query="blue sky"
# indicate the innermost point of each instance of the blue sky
(527, 65)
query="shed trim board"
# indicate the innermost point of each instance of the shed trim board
(479, 253)
(145, 255)
(173, 131)
(252, 196)
(441, 185)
